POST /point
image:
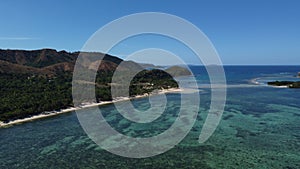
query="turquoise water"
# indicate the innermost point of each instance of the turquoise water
(260, 128)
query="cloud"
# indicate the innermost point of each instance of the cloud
(17, 38)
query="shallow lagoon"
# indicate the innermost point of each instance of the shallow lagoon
(260, 128)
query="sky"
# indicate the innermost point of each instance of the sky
(248, 32)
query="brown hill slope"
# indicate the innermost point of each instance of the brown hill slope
(6, 67)
(36, 58)
(51, 62)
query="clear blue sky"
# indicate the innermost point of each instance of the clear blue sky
(243, 31)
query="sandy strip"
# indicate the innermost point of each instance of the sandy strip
(278, 86)
(85, 105)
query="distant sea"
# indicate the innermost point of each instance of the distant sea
(260, 128)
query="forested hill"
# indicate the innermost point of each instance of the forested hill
(32, 82)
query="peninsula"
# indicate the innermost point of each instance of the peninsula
(39, 82)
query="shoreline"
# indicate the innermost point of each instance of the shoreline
(85, 105)
(284, 86)
(255, 82)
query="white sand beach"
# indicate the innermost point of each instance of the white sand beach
(86, 105)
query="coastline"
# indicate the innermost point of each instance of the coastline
(85, 105)
(255, 82)
(278, 86)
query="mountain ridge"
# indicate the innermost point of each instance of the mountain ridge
(51, 62)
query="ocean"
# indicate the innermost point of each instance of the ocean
(260, 128)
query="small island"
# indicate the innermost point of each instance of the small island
(177, 71)
(288, 84)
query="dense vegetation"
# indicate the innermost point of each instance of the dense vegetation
(289, 84)
(26, 95)
(23, 95)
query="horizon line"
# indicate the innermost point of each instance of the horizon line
(190, 64)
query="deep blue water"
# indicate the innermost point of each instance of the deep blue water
(260, 128)
(242, 74)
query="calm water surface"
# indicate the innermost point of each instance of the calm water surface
(260, 128)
